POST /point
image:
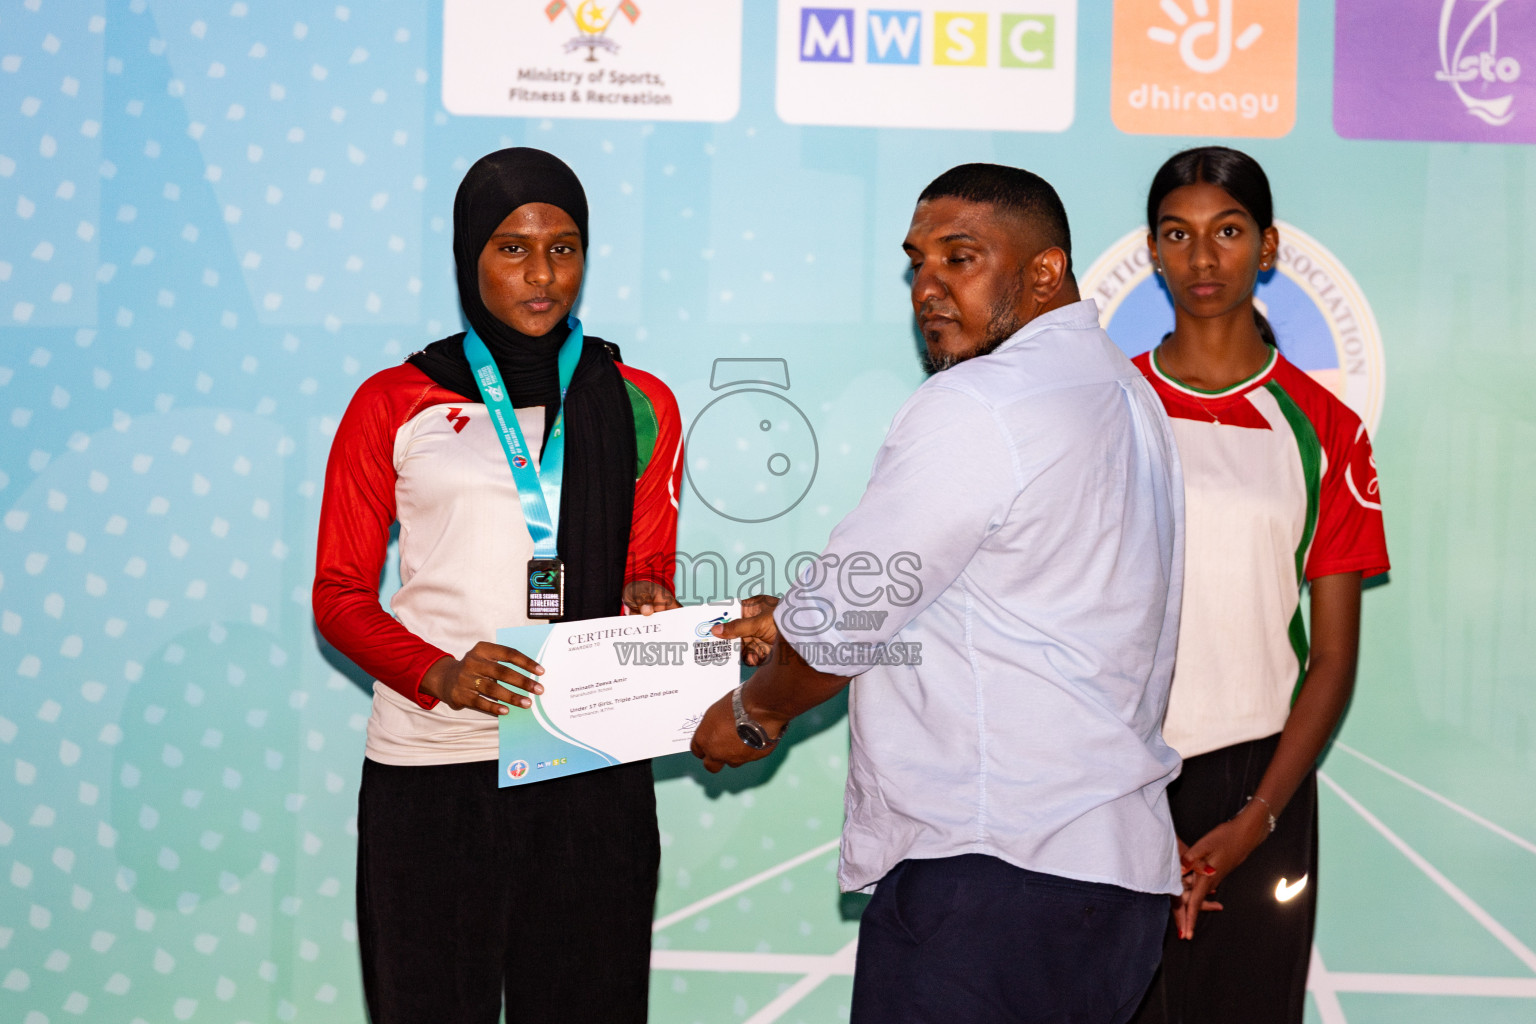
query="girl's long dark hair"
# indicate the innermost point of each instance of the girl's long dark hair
(1235, 172)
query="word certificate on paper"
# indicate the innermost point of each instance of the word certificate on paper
(616, 690)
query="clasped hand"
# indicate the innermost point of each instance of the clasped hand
(1215, 856)
(715, 741)
(480, 681)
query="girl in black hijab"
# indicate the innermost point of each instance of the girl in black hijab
(468, 894)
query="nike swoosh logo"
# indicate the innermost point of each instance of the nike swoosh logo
(1285, 892)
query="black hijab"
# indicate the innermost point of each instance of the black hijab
(598, 489)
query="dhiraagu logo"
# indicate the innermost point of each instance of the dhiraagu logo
(1320, 316)
(1204, 67)
(928, 65)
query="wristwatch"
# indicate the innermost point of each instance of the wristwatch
(751, 732)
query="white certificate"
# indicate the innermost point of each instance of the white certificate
(618, 689)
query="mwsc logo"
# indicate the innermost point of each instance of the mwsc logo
(960, 38)
(896, 67)
(1321, 318)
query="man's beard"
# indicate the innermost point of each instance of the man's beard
(1003, 323)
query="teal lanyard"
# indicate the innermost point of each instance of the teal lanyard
(537, 489)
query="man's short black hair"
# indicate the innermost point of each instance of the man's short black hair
(1014, 189)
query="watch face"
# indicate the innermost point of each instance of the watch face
(752, 735)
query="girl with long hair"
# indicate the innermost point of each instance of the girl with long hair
(1280, 497)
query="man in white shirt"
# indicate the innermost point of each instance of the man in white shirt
(1007, 775)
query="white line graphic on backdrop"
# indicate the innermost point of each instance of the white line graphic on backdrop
(1467, 903)
(1453, 805)
(742, 886)
(1221, 28)
(841, 962)
(1325, 985)
(1320, 984)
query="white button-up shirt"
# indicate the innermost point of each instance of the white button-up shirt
(1022, 534)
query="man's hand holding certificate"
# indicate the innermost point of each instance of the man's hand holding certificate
(618, 689)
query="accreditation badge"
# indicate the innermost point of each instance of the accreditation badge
(546, 588)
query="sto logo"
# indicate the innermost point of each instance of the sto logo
(1457, 66)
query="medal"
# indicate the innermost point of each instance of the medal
(538, 489)
(546, 588)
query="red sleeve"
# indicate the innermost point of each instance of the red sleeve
(653, 530)
(1350, 534)
(355, 515)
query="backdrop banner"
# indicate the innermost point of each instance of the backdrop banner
(218, 217)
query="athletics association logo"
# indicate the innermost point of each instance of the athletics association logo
(517, 769)
(1320, 316)
(520, 462)
(592, 21)
(1452, 70)
(1204, 67)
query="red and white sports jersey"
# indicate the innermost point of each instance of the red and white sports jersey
(1279, 487)
(411, 451)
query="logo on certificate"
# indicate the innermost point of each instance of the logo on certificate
(517, 769)
(712, 652)
(704, 628)
(1320, 316)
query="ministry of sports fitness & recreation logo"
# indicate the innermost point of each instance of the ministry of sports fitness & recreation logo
(605, 59)
(592, 21)
(1320, 316)
(1452, 70)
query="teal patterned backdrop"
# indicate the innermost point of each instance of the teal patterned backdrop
(217, 218)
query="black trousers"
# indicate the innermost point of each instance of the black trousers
(1248, 961)
(975, 939)
(542, 893)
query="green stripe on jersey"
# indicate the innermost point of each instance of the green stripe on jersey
(646, 427)
(1311, 451)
